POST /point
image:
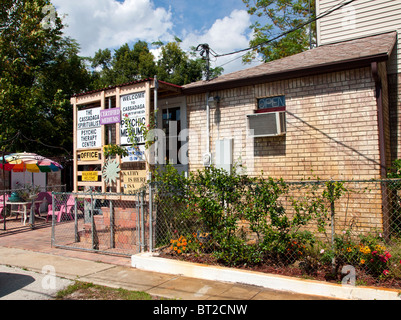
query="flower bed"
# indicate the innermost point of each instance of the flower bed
(266, 224)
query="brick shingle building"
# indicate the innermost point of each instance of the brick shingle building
(330, 112)
(335, 102)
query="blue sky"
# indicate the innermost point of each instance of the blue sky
(100, 24)
(199, 15)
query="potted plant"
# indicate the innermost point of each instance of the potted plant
(28, 192)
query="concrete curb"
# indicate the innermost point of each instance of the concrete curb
(150, 262)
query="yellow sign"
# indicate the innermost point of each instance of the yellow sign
(89, 176)
(89, 155)
(133, 180)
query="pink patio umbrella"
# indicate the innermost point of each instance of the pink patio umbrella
(31, 162)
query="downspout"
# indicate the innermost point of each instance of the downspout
(380, 118)
(382, 148)
(156, 108)
(207, 123)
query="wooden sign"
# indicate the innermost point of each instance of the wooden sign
(133, 106)
(89, 155)
(89, 132)
(133, 180)
(89, 176)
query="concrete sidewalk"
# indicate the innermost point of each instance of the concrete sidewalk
(32, 251)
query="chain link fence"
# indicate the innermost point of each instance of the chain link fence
(103, 222)
(314, 226)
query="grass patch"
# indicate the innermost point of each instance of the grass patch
(89, 291)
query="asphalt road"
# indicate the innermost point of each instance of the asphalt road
(19, 284)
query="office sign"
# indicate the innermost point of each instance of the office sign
(133, 107)
(89, 155)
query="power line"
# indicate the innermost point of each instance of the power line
(324, 14)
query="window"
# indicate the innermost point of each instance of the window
(171, 125)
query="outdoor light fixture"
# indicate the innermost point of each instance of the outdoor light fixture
(213, 101)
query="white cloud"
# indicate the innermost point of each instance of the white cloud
(100, 24)
(226, 35)
(104, 24)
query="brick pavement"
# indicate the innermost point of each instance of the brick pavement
(39, 240)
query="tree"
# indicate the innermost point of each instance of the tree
(276, 17)
(124, 66)
(40, 70)
(177, 67)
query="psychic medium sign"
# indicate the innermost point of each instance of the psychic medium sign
(110, 116)
(133, 106)
(89, 131)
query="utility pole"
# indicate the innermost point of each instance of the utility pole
(205, 50)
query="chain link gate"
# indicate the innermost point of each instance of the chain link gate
(102, 222)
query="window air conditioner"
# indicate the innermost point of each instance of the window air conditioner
(267, 124)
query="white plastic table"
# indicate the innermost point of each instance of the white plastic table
(24, 205)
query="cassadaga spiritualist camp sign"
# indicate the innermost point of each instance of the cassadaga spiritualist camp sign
(133, 106)
(89, 132)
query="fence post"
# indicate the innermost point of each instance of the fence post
(53, 240)
(112, 244)
(330, 186)
(138, 227)
(4, 208)
(385, 210)
(142, 224)
(92, 222)
(150, 215)
(76, 219)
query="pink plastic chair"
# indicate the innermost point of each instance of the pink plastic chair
(42, 196)
(63, 207)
